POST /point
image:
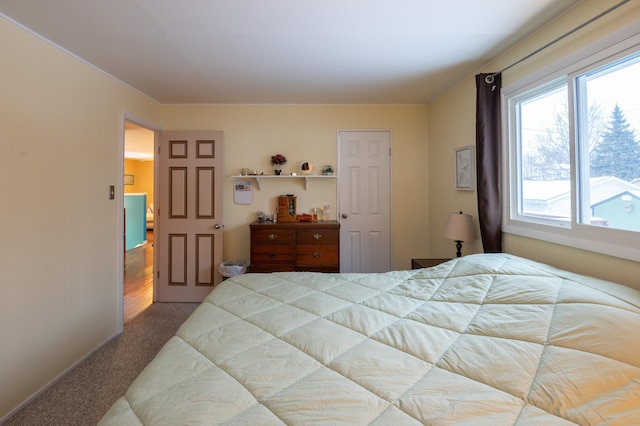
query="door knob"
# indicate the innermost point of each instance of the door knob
(344, 215)
(217, 226)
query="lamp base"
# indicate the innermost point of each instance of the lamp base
(459, 248)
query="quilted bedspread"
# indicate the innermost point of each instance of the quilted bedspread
(488, 339)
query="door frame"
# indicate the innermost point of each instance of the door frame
(119, 198)
(339, 180)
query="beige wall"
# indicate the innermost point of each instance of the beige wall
(60, 143)
(452, 124)
(253, 133)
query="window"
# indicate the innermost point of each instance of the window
(543, 168)
(608, 102)
(574, 154)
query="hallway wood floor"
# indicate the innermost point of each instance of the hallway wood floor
(138, 279)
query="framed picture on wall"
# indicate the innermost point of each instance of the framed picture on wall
(128, 179)
(465, 168)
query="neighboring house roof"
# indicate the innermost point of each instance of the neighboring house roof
(545, 190)
(554, 190)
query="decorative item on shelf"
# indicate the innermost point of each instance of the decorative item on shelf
(459, 228)
(306, 167)
(327, 170)
(277, 161)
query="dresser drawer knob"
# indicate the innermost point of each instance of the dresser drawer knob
(317, 236)
(317, 254)
(272, 254)
(272, 236)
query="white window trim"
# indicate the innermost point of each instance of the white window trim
(618, 243)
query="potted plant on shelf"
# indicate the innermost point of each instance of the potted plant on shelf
(277, 161)
(327, 170)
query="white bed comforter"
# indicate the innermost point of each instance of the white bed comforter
(481, 340)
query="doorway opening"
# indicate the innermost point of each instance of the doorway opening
(139, 219)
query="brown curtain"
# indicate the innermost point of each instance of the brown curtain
(488, 160)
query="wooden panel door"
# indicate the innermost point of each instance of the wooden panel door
(365, 201)
(188, 225)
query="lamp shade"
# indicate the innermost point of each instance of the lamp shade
(459, 227)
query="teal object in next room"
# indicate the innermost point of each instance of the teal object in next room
(135, 206)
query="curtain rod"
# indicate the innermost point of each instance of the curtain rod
(489, 79)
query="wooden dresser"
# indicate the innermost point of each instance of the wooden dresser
(295, 246)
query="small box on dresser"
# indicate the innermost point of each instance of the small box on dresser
(295, 246)
(287, 208)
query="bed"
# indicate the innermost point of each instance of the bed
(489, 339)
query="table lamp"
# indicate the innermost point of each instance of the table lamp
(459, 228)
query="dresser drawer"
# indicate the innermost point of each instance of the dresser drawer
(273, 236)
(318, 236)
(317, 255)
(275, 267)
(272, 253)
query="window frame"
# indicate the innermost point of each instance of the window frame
(609, 241)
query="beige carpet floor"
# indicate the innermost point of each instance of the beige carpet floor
(83, 395)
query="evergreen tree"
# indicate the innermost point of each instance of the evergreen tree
(617, 153)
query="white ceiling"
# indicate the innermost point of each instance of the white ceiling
(286, 51)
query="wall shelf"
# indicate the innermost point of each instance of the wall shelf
(260, 178)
